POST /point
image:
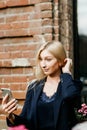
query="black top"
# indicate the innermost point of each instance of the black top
(45, 106)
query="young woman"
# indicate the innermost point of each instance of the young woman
(51, 99)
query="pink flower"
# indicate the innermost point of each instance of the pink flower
(81, 114)
(83, 109)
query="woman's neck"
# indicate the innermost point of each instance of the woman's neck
(51, 85)
(54, 79)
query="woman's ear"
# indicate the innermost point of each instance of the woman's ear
(62, 63)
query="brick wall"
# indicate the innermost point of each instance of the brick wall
(24, 25)
(66, 25)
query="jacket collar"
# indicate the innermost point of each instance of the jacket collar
(38, 90)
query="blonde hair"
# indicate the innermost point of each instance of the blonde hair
(56, 49)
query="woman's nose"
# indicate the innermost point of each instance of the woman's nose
(43, 64)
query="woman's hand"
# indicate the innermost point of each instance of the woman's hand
(67, 66)
(8, 107)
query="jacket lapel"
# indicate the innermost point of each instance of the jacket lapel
(37, 93)
(57, 104)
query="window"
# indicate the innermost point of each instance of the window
(82, 43)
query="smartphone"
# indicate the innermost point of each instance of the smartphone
(7, 91)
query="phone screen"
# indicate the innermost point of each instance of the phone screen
(7, 91)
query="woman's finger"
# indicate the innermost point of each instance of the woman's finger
(5, 99)
(13, 109)
(11, 106)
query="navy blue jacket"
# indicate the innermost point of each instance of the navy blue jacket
(67, 99)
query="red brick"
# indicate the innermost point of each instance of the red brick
(46, 6)
(5, 26)
(5, 71)
(21, 2)
(16, 78)
(2, 20)
(28, 70)
(16, 41)
(1, 79)
(34, 1)
(35, 31)
(6, 63)
(19, 25)
(17, 2)
(56, 1)
(21, 47)
(46, 14)
(47, 29)
(2, 3)
(28, 54)
(17, 18)
(19, 11)
(2, 34)
(3, 85)
(19, 94)
(17, 32)
(17, 71)
(2, 48)
(16, 54)
(35, 15)
(46, 22)
(4, 55)
(1, 63)
(32, 62)
(18, 86)
(35, 23)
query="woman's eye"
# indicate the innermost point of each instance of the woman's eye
(48, 59)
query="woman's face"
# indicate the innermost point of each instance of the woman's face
(48, 63)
